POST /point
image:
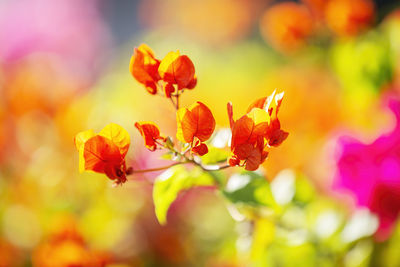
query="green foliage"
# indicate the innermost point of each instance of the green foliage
(214, 155)
(249, 188)
(365, 63)
(169, 184)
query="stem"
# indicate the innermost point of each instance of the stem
(157, 169)
(177, 102)
(173, 103)
(192, 161)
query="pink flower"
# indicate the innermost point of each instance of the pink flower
(70, 31)
(371, 172)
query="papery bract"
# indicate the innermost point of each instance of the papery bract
(255, 131)
(274, 135)
(195, 125)
(150, 133)
(144, 67)
(104, 152)
(178, 69)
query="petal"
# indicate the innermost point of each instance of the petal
(197, 121)
(177, 69)
(184, 71)
(99, 152)
(261, 120)
(243, 151)
(277, 137)
(259, 103)
(205, 121)
(80, 140)
(233, 161)
(118, 136)
(263, 103)
(230, 114)
(192, 84)
(166, 68)
(254, 160)
(187, 125)
(82, 137)
(241, 131)
(169, 89)
(201, 149)
(150, 133)
(144, 66)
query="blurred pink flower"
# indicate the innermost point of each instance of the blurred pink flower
(372, 173)
(69, 30)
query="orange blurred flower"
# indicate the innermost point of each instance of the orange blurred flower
(255, 132)
(9, 254)
(349, 17)
(144, 67)
(150, 133)
(286, 26)
(66, 247)
(104, 152)
(317, 7)
(195, 125)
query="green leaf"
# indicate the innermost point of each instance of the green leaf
(249, 188)
(170, 183)
(215, 155)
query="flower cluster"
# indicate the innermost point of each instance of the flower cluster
(171, 75)
(256, 131)
(252, 134)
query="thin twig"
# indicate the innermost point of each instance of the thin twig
(157, 169)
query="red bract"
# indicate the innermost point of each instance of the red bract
(104, 152)
(144, 68)
(274, 135)
(195, 125)
(255, 131)
(150, 133)
(178, 70)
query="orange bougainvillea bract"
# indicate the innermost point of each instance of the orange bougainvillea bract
(104, 152)
(286, 26)
(174, 73)
(255, 132)
(150, 133)
(144, 67)
(195, 126)
(178, 69)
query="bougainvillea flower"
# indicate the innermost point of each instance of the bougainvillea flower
(150, 133)
(255, 131)
(178, 69)
(104, 152)
(195, 126)
(349, 17)
(274, 135)
(371, 173)
(286, 26)
(144, 67)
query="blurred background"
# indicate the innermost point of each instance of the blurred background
(335, 182)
